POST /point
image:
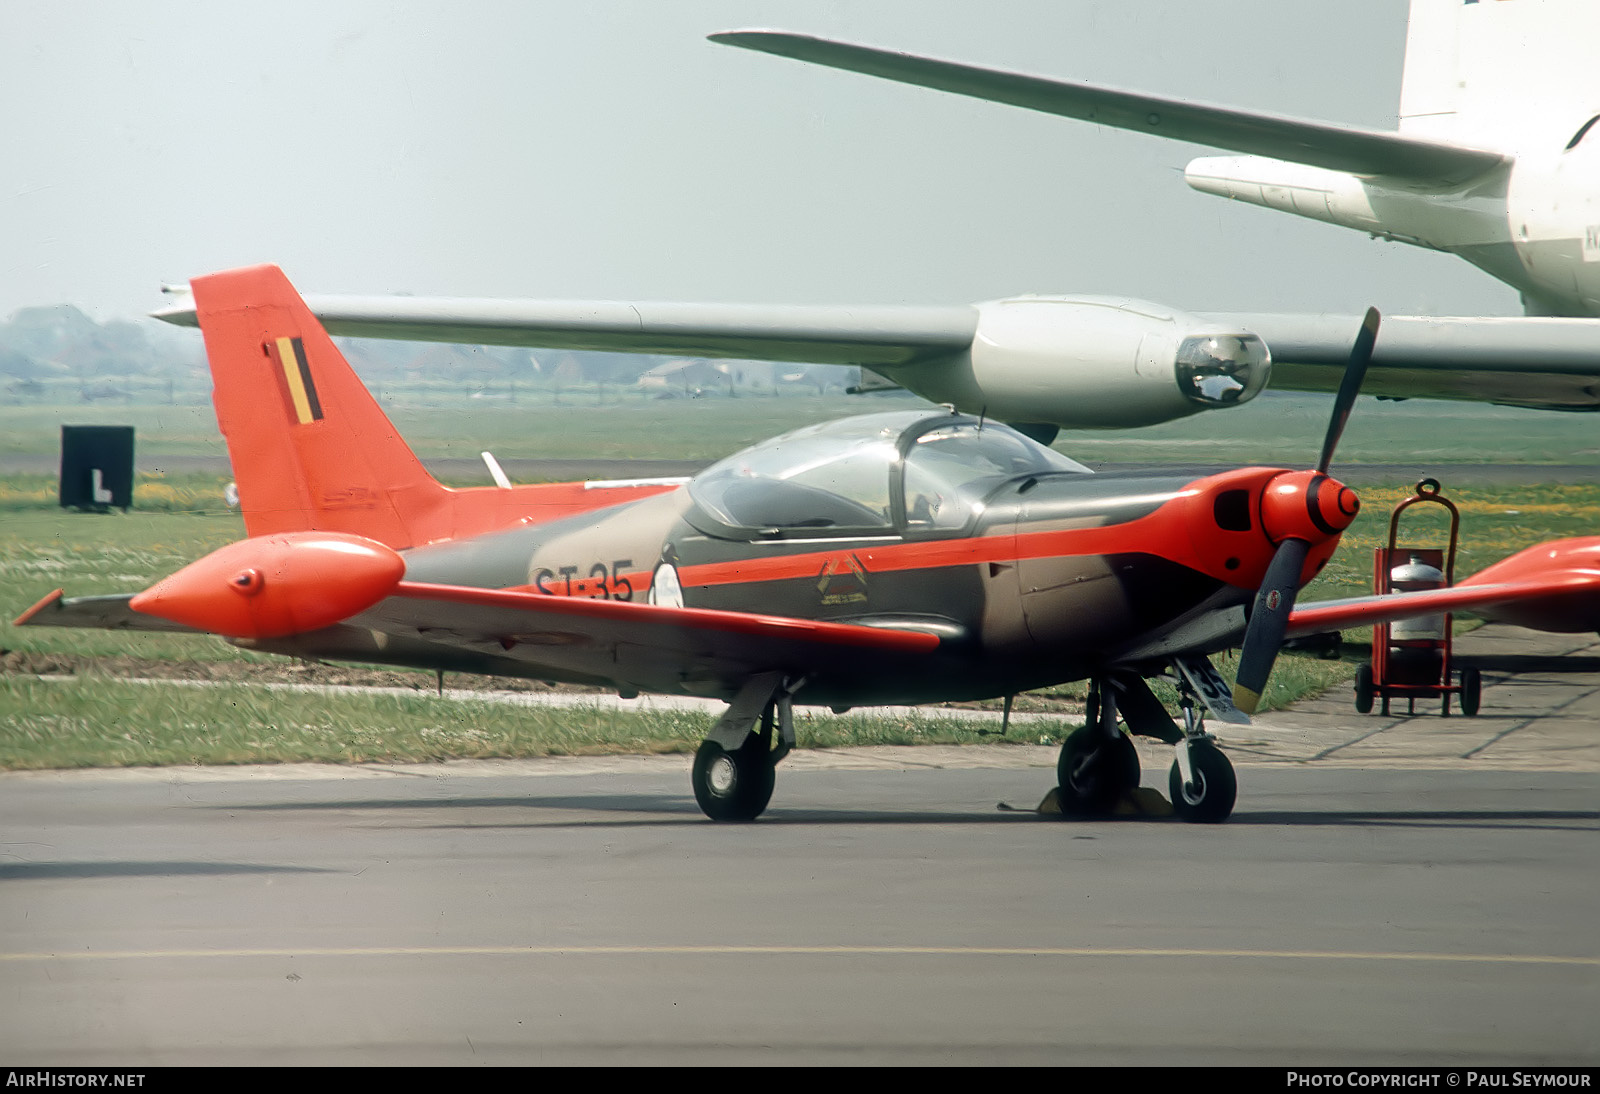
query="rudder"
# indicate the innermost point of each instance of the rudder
(311, 449)
(1511, 75)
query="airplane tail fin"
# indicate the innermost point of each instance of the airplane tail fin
(312, 450)
(1502, 75)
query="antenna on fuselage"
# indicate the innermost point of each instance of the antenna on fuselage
(495, 471)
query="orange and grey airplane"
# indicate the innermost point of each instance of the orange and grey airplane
(905, 557)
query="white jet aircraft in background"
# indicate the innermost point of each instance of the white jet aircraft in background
(1497, 158)
(1494, 161)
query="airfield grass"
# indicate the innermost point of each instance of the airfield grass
(1278, 428)
(98, 720)
(101, 722)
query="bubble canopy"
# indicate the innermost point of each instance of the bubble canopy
(892, 473)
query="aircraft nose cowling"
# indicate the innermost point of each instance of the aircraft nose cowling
(1307, 505)
(273, 586)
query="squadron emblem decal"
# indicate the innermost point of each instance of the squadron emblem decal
(843, 581)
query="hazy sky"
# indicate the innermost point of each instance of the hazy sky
(606, 150)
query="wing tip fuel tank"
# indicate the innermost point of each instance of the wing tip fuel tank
(274, 586)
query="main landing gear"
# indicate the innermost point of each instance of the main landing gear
(736, 765)
(1098, 765)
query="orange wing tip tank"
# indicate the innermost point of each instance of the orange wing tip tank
(273, 586)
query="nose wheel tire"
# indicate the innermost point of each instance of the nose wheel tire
(1209, 799)
(1093, 772)
(736, 785)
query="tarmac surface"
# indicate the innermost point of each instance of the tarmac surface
(1390, 890)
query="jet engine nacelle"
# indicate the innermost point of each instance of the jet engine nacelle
(1093, 362)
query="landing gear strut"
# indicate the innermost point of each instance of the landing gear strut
(1201, 783)
(735, 766)
(1098, 763)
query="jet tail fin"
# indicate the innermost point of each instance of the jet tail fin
(1513, 76)
(312, 450)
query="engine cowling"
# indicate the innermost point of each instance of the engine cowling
(1091, 362)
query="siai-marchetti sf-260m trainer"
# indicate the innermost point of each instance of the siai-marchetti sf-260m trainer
(905, 557)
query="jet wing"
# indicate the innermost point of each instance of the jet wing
(814, 335)
(1336, 147)
(1517, 361)
(1551, 364)
(646, 646)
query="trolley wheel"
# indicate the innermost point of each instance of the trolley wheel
(1209, 799)
(1364, 690)
(1471, 691)
(1093, 773)
(733, 786)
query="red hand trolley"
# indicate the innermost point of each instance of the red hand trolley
(1411, 657)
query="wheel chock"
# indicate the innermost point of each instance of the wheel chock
(1141, 801)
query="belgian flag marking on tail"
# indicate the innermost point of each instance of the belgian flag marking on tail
(297, 374)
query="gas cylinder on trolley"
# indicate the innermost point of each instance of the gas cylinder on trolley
(1411, 657)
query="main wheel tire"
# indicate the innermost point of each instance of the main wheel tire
(1093, 773)
(1364, 690)
(733, 786)
(1209, 800)
(1471, 691)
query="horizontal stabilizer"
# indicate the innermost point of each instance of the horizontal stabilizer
(106, 613)
(1320, 144)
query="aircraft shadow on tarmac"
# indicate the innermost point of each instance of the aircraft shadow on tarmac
(1559, 820)
(666, 809)
(670, 809)
(25, 871)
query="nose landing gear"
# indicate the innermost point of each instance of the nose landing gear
(1201, 782)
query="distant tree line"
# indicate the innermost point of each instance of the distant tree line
(58, 351)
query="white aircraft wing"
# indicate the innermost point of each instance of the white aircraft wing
(1320, 144)
(1532, 362)
(887, 336)
(1551, 364)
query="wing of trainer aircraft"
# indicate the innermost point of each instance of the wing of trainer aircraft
(1067, 361)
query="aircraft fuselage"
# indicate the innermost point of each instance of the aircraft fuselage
(1051, 578)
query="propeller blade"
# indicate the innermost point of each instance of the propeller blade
(1269, 620)
(1355, 371)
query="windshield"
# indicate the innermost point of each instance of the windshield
(845, 475)
(950, 469)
